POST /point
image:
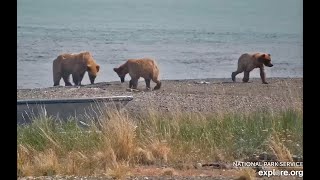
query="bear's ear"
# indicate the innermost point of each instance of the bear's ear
(98, 68)
(269, 54)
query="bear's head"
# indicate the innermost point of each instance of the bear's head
(93, 70)
(265, 59)
(121, 72)
(92, 67)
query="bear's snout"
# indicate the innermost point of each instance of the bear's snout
(92, 80)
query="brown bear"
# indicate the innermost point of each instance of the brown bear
(75, 64)
(144, 67)
(247, 62)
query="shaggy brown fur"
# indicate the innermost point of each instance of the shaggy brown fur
(247, 62)
(145, 67)
(75, 64)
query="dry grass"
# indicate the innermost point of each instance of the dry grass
(282, 152)
(117, 143)
(247, 174)
(279, 149)
(169, 172)
(119, 135)
(119, 171)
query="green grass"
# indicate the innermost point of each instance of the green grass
(179, 137)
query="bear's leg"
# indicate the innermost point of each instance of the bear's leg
(158, 84)
(130, 84)
(246, 76)
(263, 76)
(66, 78)
(56, 79)
(234, 74)
(147, 83)
(81, 77)
(134, 83)
(76, 78)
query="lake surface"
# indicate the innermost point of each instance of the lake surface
(188, 38)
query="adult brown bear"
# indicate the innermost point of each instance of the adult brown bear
(144, 67)
(247, 62)
(76, 65)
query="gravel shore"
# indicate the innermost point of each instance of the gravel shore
(197, 95)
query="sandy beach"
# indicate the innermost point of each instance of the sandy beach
(193, 95)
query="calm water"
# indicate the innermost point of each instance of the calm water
(188, 38)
